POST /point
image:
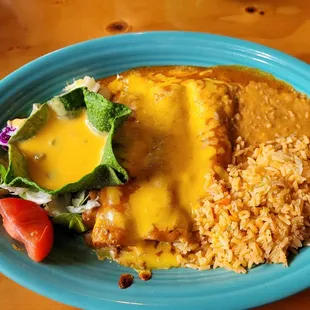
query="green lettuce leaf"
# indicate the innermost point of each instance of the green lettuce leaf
(32, 125)
(104, 115)
(71, 220)
(79, 198)
(58, 204)
(2, 173)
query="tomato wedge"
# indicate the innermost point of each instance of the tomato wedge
(28, 223)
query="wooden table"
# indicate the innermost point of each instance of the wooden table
(31, 28)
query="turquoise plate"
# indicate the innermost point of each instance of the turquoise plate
(72, 274)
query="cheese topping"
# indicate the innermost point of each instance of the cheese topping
(63, 151)
(165, 150)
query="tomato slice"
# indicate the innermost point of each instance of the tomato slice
(28, 223)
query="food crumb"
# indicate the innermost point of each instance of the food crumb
(15, 247)
(125, 280)
(145, 275)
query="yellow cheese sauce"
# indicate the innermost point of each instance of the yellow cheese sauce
(165, 148)
(62, 151)
(148, 255)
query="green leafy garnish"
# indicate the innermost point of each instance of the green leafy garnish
(70, 220)
(79, 199)
(96, 104)
(32, 125)
(2, 173)
(103, 115)
(74, 99)
(58, 204)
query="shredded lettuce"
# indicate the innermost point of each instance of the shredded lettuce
(58, 204)
(27, 194)
(66, 209)
(79, 198)
(87, 82)
(81, 203)
(90, 204)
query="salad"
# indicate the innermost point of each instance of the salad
(52, 159)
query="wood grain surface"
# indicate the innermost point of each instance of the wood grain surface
(31, 28)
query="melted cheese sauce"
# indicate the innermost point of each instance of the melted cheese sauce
(164, 151)
(164, 146)
(148, 255)
(63, 151)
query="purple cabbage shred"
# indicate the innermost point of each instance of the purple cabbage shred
(6, 133)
